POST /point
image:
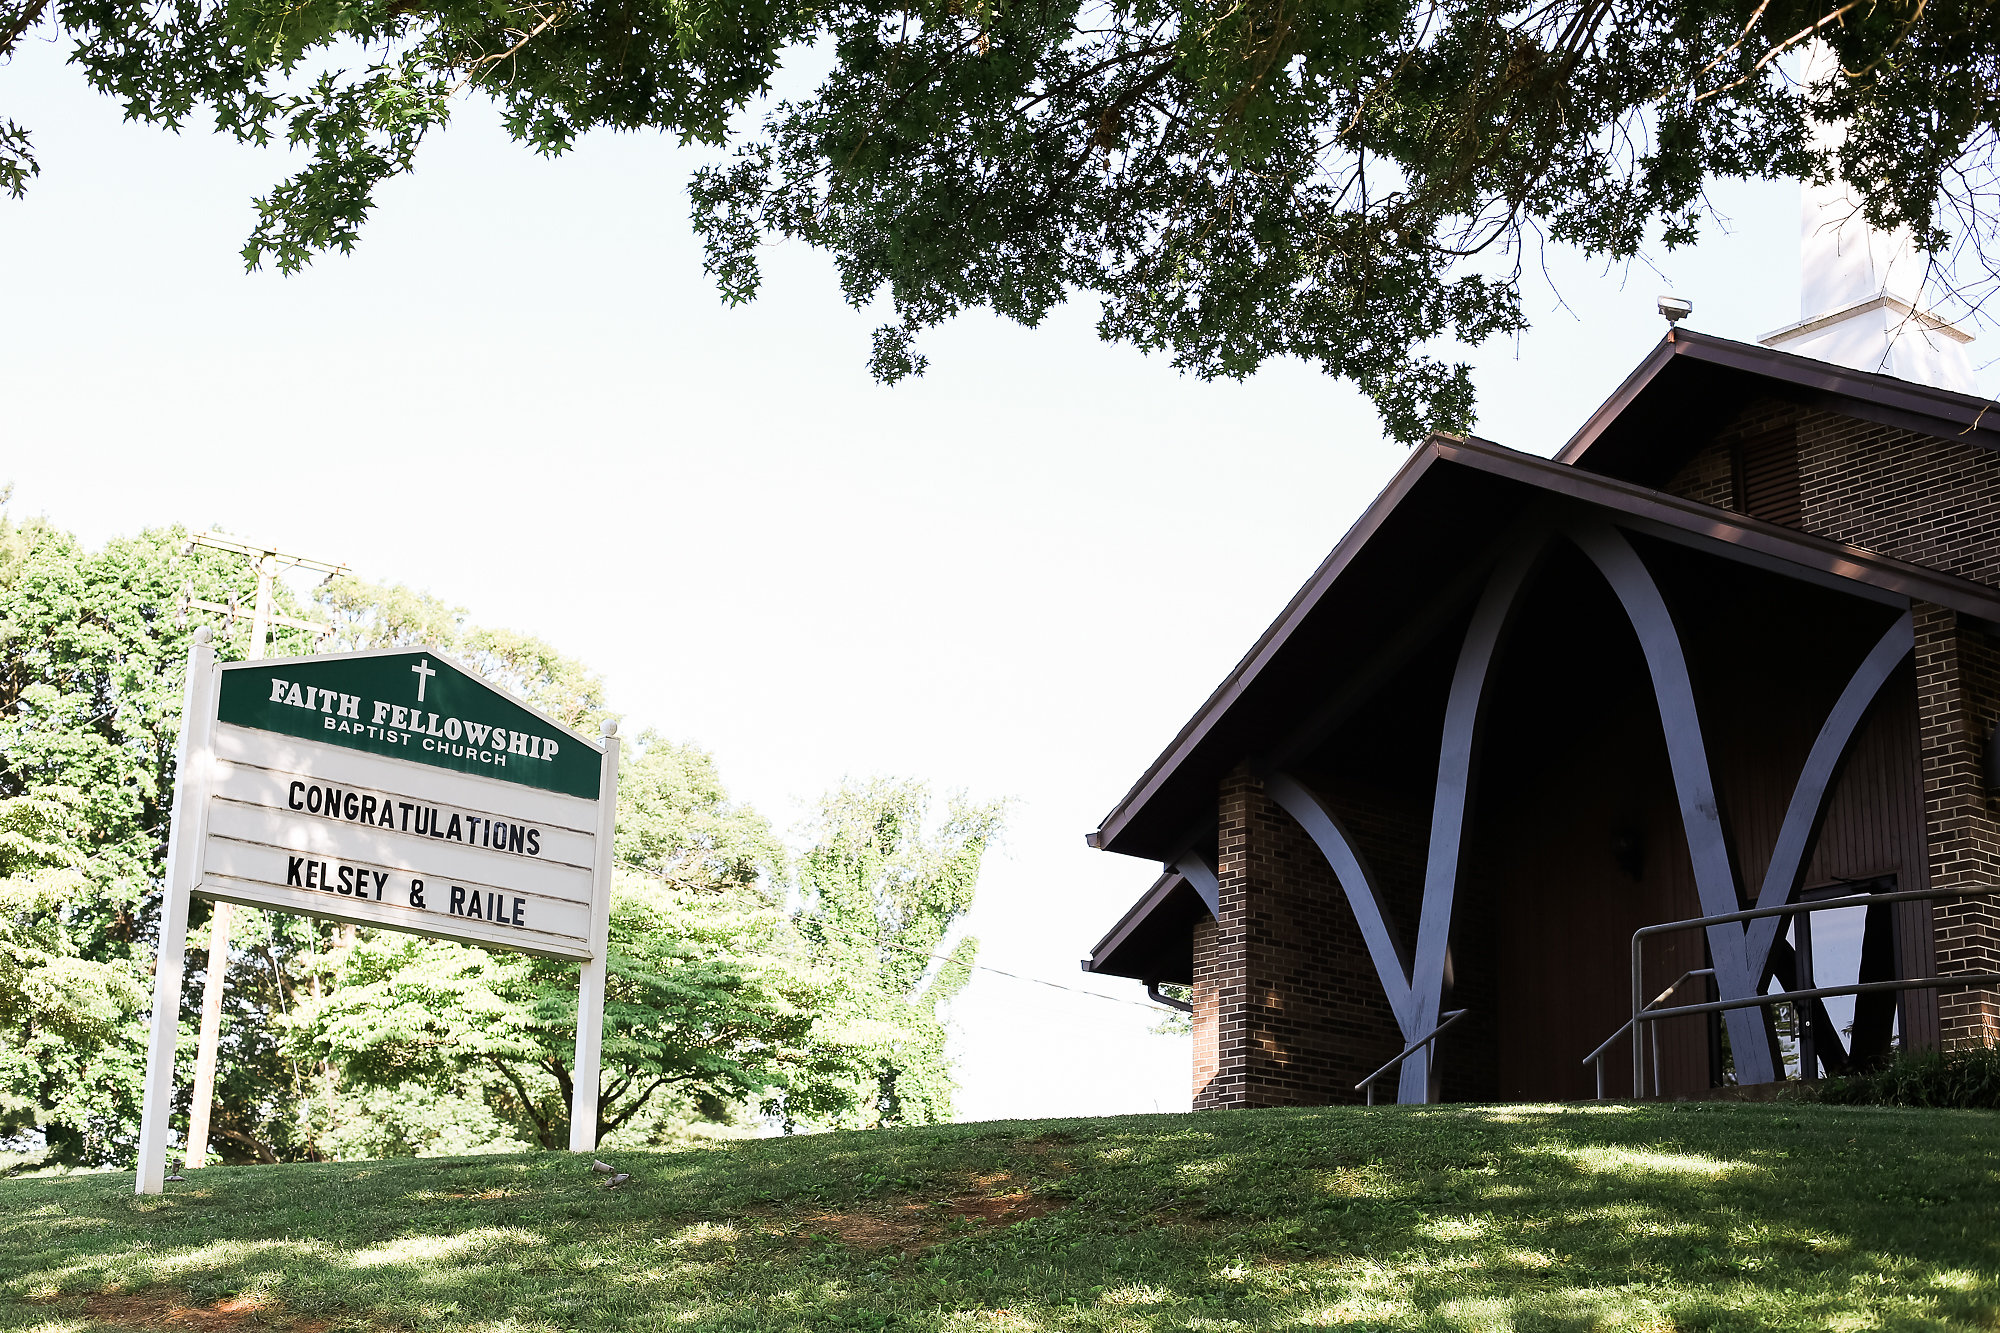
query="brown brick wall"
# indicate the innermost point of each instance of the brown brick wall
(1299, 1015)
(1223, 971)
(1896, 492)
(1930, 502)
(1710, 476)
(1958, 694)
(1208, 965)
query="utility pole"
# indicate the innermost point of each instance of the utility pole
(269, 562)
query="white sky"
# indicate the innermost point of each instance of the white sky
(1017, 576)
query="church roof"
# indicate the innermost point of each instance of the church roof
(1691, 383)
(1153, 941)
(1418, 555)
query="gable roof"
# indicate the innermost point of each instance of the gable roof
(1151, 942)
(1411, 561)
(1691, 382)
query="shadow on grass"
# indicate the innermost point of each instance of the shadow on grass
(1433, 1218)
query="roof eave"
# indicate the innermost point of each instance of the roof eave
(1803, 551)
(1621, 398)
(1191, 734)
(1883, 399)
(1135, 917)
(1798, 554)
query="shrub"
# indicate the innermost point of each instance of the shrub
(1964, 1078)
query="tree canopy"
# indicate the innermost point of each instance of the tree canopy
(881, 891)
(728, 999)
(1355, 183)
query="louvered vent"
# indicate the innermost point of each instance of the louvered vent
(1767, 477)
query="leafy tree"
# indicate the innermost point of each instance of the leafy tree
(1343, 181)
(92, 647)
(72, 1023)
(699, 1021)
(91, 652)
(708, 1010)
(339, 1041)
(677, 824)
(878, 896)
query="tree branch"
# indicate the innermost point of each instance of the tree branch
(258, 1149)
(542, 1133)
(16, 27)
(606, 1126)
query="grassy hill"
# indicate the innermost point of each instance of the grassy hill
(1503, 1218)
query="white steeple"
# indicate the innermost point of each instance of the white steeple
(1860, 288)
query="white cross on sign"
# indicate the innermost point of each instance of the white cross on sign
(424, 674)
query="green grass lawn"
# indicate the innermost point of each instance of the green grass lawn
(1520, 1218)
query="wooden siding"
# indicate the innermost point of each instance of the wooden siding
(1576, 778)
(1576, 838)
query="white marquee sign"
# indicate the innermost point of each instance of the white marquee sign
(391, 789)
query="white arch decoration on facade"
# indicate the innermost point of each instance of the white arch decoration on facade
(1378, 930)
(1197, 871)
(1417, 1001)
(1415, 987)
(1687, 758)
(1802, 816)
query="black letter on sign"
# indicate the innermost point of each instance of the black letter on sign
(347, 880)
(292, 796)
(457, 901)
(518, 904)
(292, 870)
(534, 842)
(416, 892)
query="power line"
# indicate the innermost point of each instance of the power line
(1016, 976)
(1075, 990)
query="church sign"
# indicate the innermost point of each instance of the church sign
(409, 705)
(391, 789)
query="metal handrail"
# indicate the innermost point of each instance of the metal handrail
(1408, 1051)
(1821, 992)
(1642, 1013)
(1597, 1056)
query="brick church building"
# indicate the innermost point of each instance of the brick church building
(1736, 645)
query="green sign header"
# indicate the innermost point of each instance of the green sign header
(409, 705)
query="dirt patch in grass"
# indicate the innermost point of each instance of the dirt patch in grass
(996, 1200)
(1001, 1209)
(163, 1310)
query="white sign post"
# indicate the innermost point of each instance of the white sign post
(392, 789)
